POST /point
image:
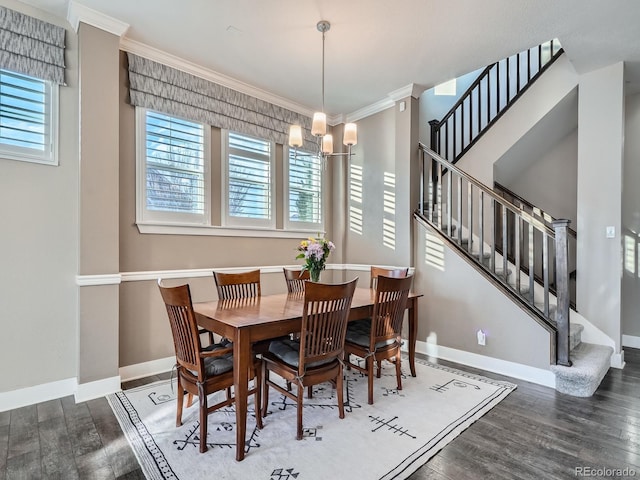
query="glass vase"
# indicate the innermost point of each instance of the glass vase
(314, 274)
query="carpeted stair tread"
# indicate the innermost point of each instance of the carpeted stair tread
(575, 335)
(590, 364)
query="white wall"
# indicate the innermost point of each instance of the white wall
(39, 249)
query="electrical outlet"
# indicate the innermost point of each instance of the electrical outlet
(482, 338)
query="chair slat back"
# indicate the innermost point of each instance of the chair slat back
(388, 309)
(324, 321)
(184, 327)
(387, 272)
(295, 279)
(237, 285)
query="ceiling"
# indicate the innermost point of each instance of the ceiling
(374, 47)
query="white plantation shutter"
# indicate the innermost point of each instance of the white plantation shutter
(304, 182)
(174, 183)
(25, 117)
(249, 181)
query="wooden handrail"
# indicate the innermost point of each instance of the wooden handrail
(468, 130)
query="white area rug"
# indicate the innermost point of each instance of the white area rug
(390, 439)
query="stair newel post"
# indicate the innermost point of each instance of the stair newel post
(561, 228)
(421, 158)
(435, 146)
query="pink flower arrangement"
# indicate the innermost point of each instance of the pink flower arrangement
(315, 252)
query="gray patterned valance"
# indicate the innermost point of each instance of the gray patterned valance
(31, 46)
(171, 91)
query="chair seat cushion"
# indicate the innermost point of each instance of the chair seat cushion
(216, 365)
(288, 351)
(359, 333)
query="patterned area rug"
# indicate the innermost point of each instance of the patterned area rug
(390, 439)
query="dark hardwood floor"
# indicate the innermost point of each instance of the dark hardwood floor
(535, 433)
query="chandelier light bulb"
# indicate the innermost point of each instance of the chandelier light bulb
(295, 136)
(319, 125)
(327, 144)
(350, 134)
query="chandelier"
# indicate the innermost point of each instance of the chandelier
(319, 124)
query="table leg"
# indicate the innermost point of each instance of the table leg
(413, 334)
(241, 367)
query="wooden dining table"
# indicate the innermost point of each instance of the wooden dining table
(248, 321)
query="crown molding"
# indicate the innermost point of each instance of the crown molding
(369, 110)
(411, 90)
(152, 53)
(77, 13)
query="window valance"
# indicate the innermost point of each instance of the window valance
(31, 46)
(168, 90)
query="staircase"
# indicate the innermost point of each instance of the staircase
(470, 218)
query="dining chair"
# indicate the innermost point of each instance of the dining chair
(201, 371)
(295, 279)
(237, 285)
(316, 356)
(241, 286)
(387, 272)
(379, 338)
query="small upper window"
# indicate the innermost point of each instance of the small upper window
(172, 170)
(28, 118)
(304, 190)
(446, 88)
(249, 181)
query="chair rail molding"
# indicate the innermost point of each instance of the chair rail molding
(117, 278)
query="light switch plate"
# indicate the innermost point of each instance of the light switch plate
(611, 232)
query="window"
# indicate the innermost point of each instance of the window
(173, 169)
(303, 191)
(249, 181)
(28, 118)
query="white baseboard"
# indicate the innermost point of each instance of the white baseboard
(630, 341)
(490, 364)
(145, 369)
(36, 394)
(99, 388)
(617, 360)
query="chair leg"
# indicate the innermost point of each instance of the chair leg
(370, 361)
(189, 399)
(310, 391)
(340, 391)
(299, 412)
(180, 403)
(202, 399)
(257, 382)
(379, 373)
(399, 371)
(211, 339)
(265, 389)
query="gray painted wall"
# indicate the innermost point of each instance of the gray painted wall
(600, 154)
(631, 220)
(550, 182)
(39, 245)
(458, 301)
